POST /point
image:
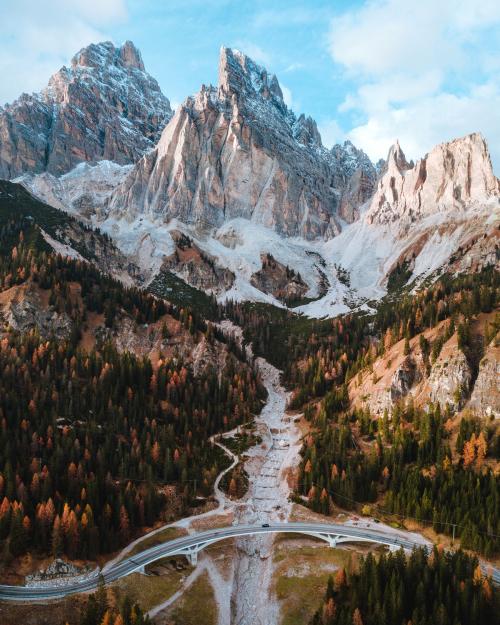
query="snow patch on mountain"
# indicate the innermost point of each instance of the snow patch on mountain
(368, 252)
(61, 248)
(143, 240)
(82, 191)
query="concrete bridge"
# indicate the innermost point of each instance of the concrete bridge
(190, 546)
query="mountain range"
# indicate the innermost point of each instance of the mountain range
(209, 319)
(235, 177)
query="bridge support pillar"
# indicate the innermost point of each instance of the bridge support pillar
(192, 557)
(142, 570)
(333, 540)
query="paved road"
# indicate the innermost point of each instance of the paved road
(196, 541)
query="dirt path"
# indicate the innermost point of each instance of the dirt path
(223, 504)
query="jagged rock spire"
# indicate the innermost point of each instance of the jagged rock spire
(103, 106)
(238, 73)
(454, 176)
(98, 55)
(238, 151)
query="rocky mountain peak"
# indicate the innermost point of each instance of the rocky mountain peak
(350, 158)
(396, 158)
(98, 55)
(239, 74)
(355, 175)
(131, 56)
(453, 176)
(104, 106)
(237, 152)
(305, 130)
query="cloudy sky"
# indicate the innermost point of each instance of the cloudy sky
(368, 70)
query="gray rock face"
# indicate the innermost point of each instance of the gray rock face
(59, 573)
(282, 282)
(403, 379)
(104, 106)
(238, 151)
(356, 176)
(195, 267)
(449, 379)
(306, 131)
(22, 309)
(485, 397)
(454, 176)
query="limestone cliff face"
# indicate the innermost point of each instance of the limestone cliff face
(104, 106)
(485, 398)
(403, 379)
(449, 380)
(454, 176)
(282, 282)
(238, 151)
(356, 176)
(23, 308)
(195, 267)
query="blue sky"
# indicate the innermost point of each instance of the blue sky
(368, 70)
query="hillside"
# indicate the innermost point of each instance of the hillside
(432, 367)
(117, 390)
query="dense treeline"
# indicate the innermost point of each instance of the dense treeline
(85, 437)
(96, 444)
(313, 354)
(436, 589)
(98, 611)
(409, 466)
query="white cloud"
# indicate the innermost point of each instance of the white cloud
(423, 72)
(391, 35)
(331, 133)
(287, 96)
(396, 88)
(38, 37)
(255, 52)
(424, 122)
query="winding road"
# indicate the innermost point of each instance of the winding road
(189, 545)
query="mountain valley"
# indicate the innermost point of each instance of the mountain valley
(209, 319)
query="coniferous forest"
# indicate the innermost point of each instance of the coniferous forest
(96, 444)
(410, 470)
(98, 611)
(436, 589)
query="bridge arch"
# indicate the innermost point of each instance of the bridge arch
(332, 538)
(191, 545)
